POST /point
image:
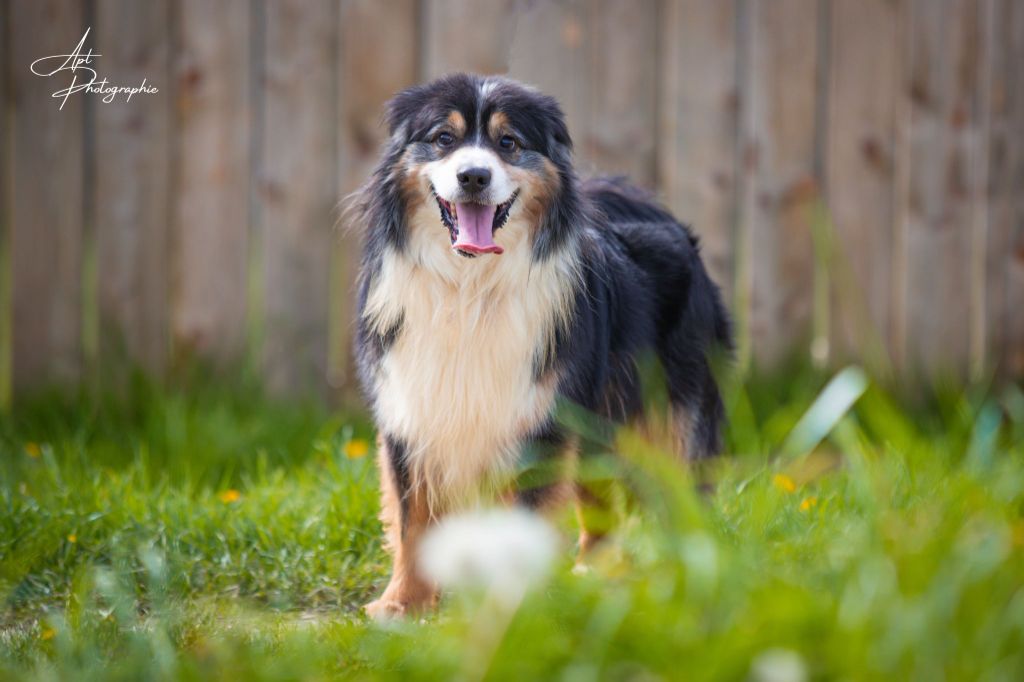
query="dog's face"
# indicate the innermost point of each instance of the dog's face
(478, 162)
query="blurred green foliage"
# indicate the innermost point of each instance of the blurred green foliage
(212, 533)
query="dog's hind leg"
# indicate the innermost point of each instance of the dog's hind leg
(697, 411)
(406, 515)
(595, 513)
(550, 481)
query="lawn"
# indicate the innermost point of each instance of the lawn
(213, 533)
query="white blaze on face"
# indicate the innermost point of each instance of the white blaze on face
(487, 87)
(443, 174)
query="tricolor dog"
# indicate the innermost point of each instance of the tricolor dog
(495, 284)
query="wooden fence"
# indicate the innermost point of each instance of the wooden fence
(855, 168)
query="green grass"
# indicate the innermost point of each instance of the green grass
(883, 542)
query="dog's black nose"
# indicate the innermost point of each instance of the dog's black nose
(474, 179)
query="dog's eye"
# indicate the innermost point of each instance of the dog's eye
(444, 139)
(508, 143)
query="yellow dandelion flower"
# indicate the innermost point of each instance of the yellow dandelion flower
(72, 538)
(784, 483)
(48, 633)
(356, 448)
(33, 450)
(229, 496)
(808, 503)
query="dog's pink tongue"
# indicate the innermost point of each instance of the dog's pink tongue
(475, 234)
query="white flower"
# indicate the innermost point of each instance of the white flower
(502, 551)
(778, 665)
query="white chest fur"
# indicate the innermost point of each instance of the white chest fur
(458, 382)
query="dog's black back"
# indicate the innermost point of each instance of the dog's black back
(644, 289)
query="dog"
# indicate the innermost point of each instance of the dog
(495, 285)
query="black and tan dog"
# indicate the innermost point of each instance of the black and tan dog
(495, 284)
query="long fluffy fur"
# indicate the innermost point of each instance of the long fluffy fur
(594, 274)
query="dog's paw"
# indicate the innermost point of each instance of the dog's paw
(385, 609)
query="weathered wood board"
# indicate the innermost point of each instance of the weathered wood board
(131, 183)
(297, 189)
(47, 195)
(210, 190)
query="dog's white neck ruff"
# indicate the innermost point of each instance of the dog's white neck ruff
(457, 385)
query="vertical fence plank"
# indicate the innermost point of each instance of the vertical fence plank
(210, 184)
(866, 58)
(297, 185)
(980, 223)
(698, 123)
(999, 101)
(5, 208)
(780, 162)
(1009, 262)
(371, 71)
(131, 169)
(466, 35)
(47, 197)
(622, 75)
(943, 137)
(550, 51)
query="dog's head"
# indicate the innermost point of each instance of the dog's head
(480, 164)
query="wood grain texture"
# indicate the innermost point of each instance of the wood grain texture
(866, 57)
(779, 160)
(370, 72)
(1007, 263)
(47, 203)
(211, 214)
(944, 136)
(999, 103)
(466, 35)
(551, 51)
(209, 206)
(599, 59)
(981, 234)
(623, 75)
(297, 190)
(5, 209)
(131, 170)
(697, 125)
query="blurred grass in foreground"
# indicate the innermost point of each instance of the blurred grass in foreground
(215, 534)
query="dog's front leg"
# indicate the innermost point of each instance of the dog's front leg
(405, 514)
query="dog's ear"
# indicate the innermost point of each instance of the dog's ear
(380, 202)
(559, 140)
(401, 109)
(560, 131)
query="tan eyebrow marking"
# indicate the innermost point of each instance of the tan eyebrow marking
(457, 122)
(497, 124)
